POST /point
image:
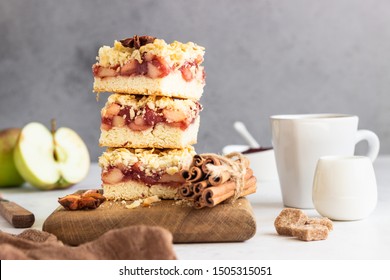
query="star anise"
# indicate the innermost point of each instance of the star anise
(90, 199)
(137, 41)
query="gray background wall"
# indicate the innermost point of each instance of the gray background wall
(262, 57)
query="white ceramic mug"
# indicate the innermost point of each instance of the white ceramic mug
(300, 140)
(344, 188)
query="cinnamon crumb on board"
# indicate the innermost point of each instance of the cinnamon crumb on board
(147, 202)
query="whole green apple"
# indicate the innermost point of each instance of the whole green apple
(51, 159)
(9, 175)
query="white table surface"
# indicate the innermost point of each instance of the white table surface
(365, 239)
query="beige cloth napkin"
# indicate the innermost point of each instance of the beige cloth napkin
(129, 243)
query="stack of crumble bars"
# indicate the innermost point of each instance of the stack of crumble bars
(151, 119)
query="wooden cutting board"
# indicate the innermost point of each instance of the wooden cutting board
(222, 223)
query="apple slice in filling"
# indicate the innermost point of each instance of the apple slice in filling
(115, 175)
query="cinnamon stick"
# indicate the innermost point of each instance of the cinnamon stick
(197, 160)
(199, 202)
(209, 160)
(249, 173)
(215, 195)
(194, 174)
(186, 190)
(219, 178)
(200, 186)
(226, 190)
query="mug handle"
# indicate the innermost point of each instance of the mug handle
(372, 140)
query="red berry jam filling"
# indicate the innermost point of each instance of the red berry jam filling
(152, 66)
(145, 118)
(114, 175)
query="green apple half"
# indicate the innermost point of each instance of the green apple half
(9, 175)
(51, 160)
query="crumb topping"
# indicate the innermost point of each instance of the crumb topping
(175, 53)
(152, 161)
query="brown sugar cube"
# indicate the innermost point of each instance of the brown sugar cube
(311, 232)
(320, 221)
(288, 218)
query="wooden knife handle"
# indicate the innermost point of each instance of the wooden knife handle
(16, 214)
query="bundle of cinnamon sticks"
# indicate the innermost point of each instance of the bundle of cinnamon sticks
(212, 179)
